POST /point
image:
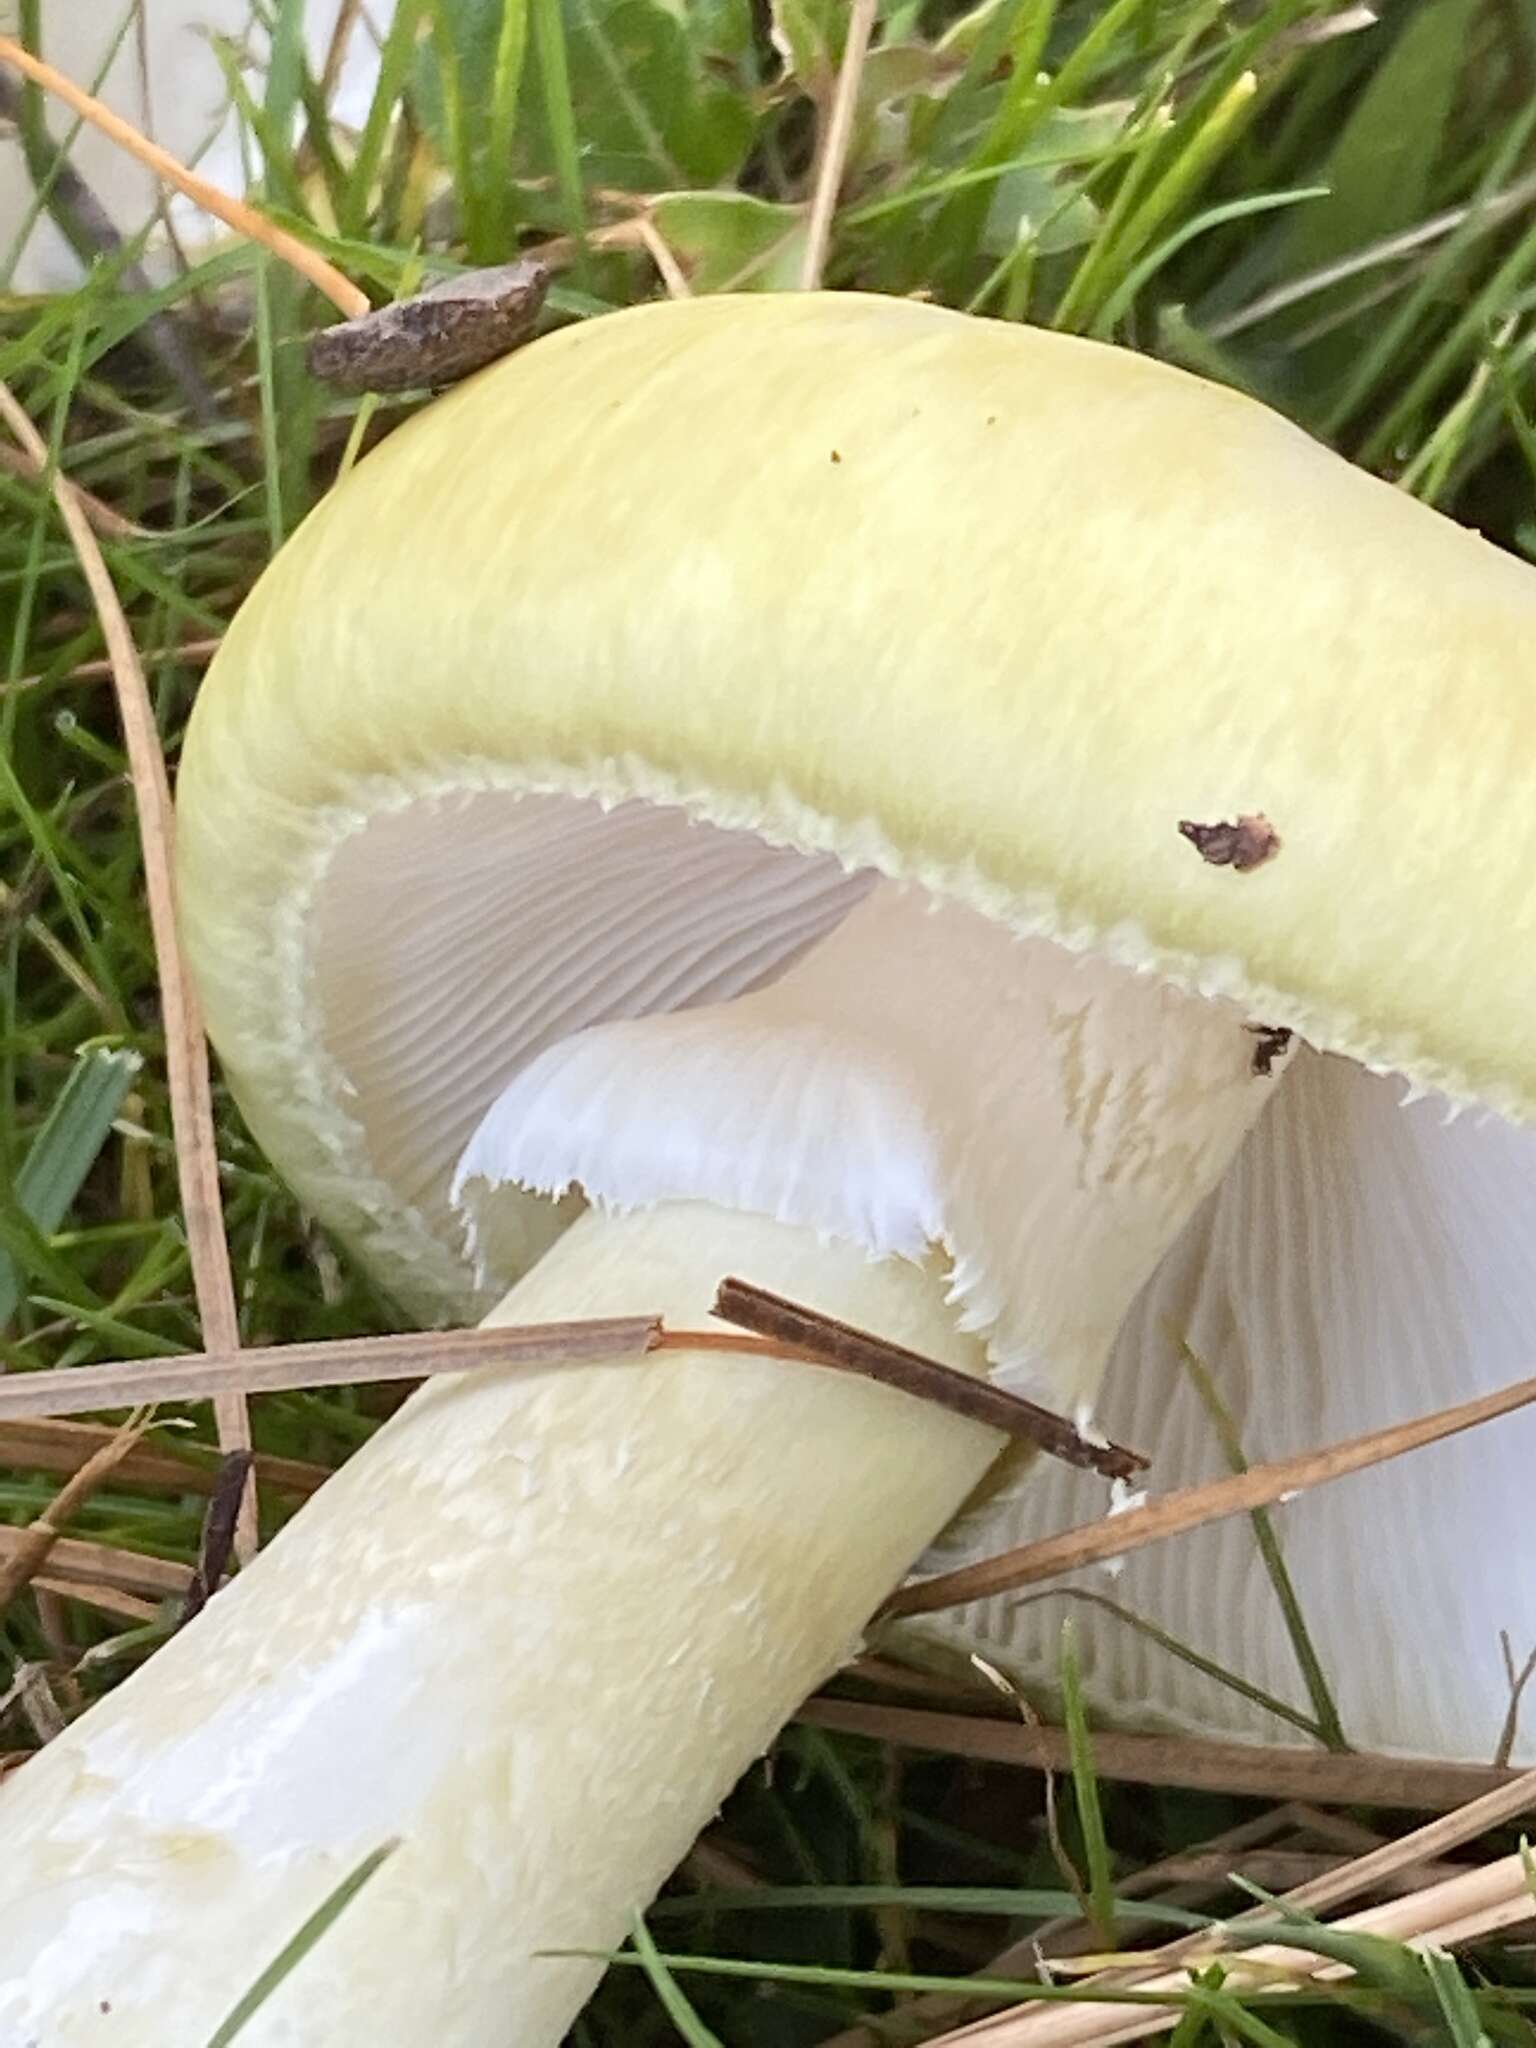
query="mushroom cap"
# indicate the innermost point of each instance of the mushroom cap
(968, 604)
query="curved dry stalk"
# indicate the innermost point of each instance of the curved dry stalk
(27, 1557)
(186, 1053)
(1191, 1507)
(833, 158)
(234, 213)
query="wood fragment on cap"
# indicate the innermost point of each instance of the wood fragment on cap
(1245, 843)
(438, 336)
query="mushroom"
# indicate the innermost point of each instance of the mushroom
(705, 797)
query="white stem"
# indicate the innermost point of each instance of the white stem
(535, 1630)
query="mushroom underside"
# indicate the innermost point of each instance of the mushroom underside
(1361, 1261)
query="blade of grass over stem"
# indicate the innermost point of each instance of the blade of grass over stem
(673, 1999)
(314, 1930)
(1324, 1708)
(1232, 1680)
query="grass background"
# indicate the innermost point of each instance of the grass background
(1330, 207)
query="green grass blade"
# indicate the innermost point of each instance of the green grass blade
(65, 1149)
(1123, 297)
(1319, 1691)
(1085, 1791)
(1207, 1666)
(678, 2010)
(1463, 2024)
(560, 117)
(319, 1923)
(1001, 1901)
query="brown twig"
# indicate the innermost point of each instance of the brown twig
(28, 1555)
(1247, 1770)
(233, 212)
(344, 1362)
(823, 1340)
(1191, 1507)
(185, 1049)
(218, 1534)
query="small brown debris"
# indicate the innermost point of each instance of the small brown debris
(1271, 1042)
(1244, 844)
(439, 336)
(835, 456)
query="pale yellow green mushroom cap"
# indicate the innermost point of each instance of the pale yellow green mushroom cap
(980, 606)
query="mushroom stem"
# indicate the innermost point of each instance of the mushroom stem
(534, 1631)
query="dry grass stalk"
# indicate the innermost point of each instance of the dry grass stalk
(233, 212)
(63, 1447)
(344, 1362)
(75, 1563)
(1456, 1910)
(837, 134)
(97, 510)
(106, 1599)
(1450, 1909)
(1246, 1770)
(30, 1553)
(1191, 1507)
(668, 269)
(186, 1053)
(188, 654)
(915, 2019)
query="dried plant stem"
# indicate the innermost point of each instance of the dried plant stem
(185, 1050)
(233, 212)
(1250, 1770)
(190, 652)
(1458, 1909)
(1193, 1506)
(75, 1563)
(1449, 1910)
(832, 159)
(346, 1362)
(63, 1447)
(101, 515)
(28, 1556)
